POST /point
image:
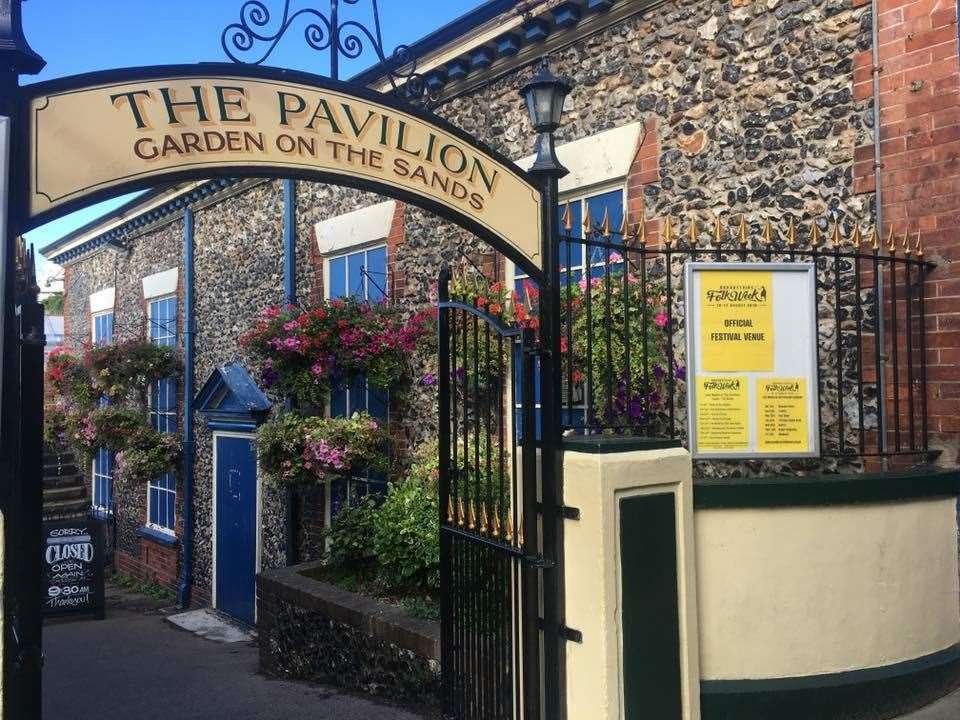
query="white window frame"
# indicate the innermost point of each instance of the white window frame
(580, 195)
(96, 501)
(93, 326)
(151, 485)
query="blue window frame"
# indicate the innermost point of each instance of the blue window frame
(363, 275)
(576, 261)
(162, 491)
(102, 490)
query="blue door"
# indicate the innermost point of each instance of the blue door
(236, 527)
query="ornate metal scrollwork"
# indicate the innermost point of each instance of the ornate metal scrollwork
(251, 40)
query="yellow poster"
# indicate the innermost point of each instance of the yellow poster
(782, 414)
(722, 418)
(736, 320)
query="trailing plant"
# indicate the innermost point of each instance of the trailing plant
(112, 427)
(124, 368)
(68, 377)
(296, 450)
(146, 455)
(302, 349)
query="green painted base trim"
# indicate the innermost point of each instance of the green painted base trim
(826, 489)
(614, 443)
(869, 694)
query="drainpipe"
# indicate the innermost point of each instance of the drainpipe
(291, 509)
(186, 542)
(878, 200)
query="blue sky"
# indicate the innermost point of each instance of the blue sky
(76, 36)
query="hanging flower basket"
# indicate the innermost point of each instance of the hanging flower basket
(296, 450)
(119, 370)
(147, 455)
(300, 349)
(111, 427)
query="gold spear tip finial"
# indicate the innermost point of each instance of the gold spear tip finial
(768, 233)
(693, 231)
(450, 518)
(856, 238)
(484, 518)
(744, 237)
(717, 231)
(792, 232)
(586, 220)
(906, 242)
(641, 231)
(835, 237)
(509, 535)
(624, 228)
(567, 218)
(891, 241)
(461, 515)
(605, 224)
(495, 530)
(668, 232)
(919, 244)
(875, 238)
(473, 517)
(814, 234)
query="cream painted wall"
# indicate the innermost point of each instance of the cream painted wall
(594, 483)
(787, 592)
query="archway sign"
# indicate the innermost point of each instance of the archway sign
(102, 134)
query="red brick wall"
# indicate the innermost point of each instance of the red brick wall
(644, 171)
(920, 172)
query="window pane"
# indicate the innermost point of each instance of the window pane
(377, 273)
(338, 277)
(356, 283)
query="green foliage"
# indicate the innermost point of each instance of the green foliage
(112, 427)
(351, 535)
(406, 540)
(296, 450)
(143, 587)
(53, 303)
(120, 369)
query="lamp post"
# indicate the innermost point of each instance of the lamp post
(544, 95)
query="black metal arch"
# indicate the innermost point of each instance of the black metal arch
(21, 222)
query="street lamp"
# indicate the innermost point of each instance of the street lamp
(544, 95)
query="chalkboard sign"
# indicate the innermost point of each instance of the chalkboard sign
(73, 567)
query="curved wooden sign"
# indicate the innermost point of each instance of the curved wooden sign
(105, 133)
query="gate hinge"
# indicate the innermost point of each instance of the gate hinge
(539, 561)
(570, 513)
(571, 635)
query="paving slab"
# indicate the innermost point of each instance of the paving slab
(135, 664)
(211, 625)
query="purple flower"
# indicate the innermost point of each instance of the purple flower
(658, 371)
(428, 379)
(680, 372)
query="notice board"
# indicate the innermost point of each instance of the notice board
(752, 360)
(73, 567)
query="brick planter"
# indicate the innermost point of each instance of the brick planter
(311, 630)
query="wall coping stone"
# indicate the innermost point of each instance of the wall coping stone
(374, 617)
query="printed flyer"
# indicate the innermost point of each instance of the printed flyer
(722, 416)
(782, 423)
(736, 321)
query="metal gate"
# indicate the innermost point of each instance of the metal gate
(489, 575)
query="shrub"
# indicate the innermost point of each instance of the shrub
(406, 538)
(351, 534)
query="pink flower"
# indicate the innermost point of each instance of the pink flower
(660, 319)
(616, 257)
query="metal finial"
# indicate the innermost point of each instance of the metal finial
(586, 220)
(906, 242)
(693, 231)
(768, 233)
(792, 232)
(919, 244)
(742, 232)
(509, 535)
(814, 234)
(605, 224)
(856, 238)
(624, 228)
(642, 231)
(461, 515)
(835, 237)
(450, 509)
(520, 532)
(473, 517)
(495, 530)
(668, 232)
(875, 239)
(567, 218)
(717, 231)
(484, 518)
(891, 242)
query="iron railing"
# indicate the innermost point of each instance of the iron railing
(623, 354)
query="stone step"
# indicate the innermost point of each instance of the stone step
(63, 481)
(65, 469)
(61, 507)
(64, 492)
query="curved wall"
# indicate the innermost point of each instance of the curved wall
(787, 592)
